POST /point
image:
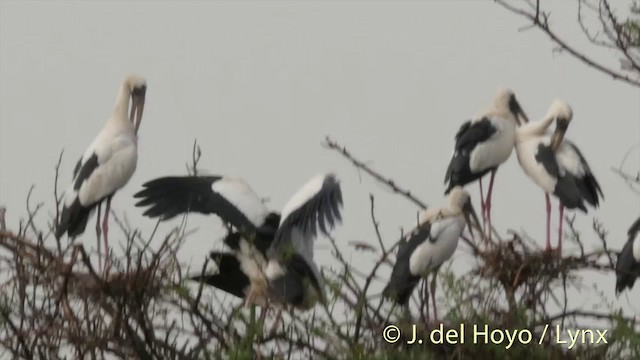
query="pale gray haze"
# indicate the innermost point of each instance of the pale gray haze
(260, 84)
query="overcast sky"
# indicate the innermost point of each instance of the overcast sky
(260, 84)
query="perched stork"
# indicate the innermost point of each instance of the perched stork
(628, 263)
(106, 166)
(556, 165)
(261, 262)
(428, 246)
(483, 144)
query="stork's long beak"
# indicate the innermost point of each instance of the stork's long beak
(137, 106)
(521, 116)
(516, 110)
(470, 214)
(558, 133)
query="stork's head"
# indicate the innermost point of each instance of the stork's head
(505, 101)
(460, 200)
(562, 113)
(137, 86)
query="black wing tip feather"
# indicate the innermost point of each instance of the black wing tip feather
(447, 175)
(320, 213)
(627, 266)
(623, 283)
(323, 209)
(625, 280)
(170, 196)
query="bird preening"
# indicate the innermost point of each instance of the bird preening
(556, 165)
(106, 166)
(269, 260)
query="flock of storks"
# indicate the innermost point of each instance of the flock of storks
(271, 254)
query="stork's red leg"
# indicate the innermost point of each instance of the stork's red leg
(548, 246)
(98, 232)
(426, 303)
(277, 321)
(482, 199)
(487, 203)
(483, 209)
(433, 296)
(560, 229)
(105, 230)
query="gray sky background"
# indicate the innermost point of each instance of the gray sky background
(261, 83)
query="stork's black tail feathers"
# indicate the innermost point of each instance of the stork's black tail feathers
(400, 292)
(588, 185)
(290, 287)
(174, 195)
(627, 268)
(73, 219)
(402, 282)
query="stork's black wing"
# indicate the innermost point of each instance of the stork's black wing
(587, 184)
(291, 286)
(627, 266)
(316, 205)
(231, 199)
(470, 134)
(74, 214)
(402, 282)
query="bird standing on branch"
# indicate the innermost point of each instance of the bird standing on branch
(428, 246)
(483, 144)
(106, 166)
(556, 165)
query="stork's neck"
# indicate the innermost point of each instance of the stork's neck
(122, 103)
(539, 127)
(454, 210)
(435, 214)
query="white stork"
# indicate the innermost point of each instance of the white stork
(556, 165)
(483, 144)
(428, 246)
(106, 166)
(261, 268)
(628, 263)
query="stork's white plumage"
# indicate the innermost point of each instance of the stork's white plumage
(241, 196)
(628, 262)
(483, 144)
(429, 245)
(556, 165)
(303, 195)
(262, 239)
(107, 165)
